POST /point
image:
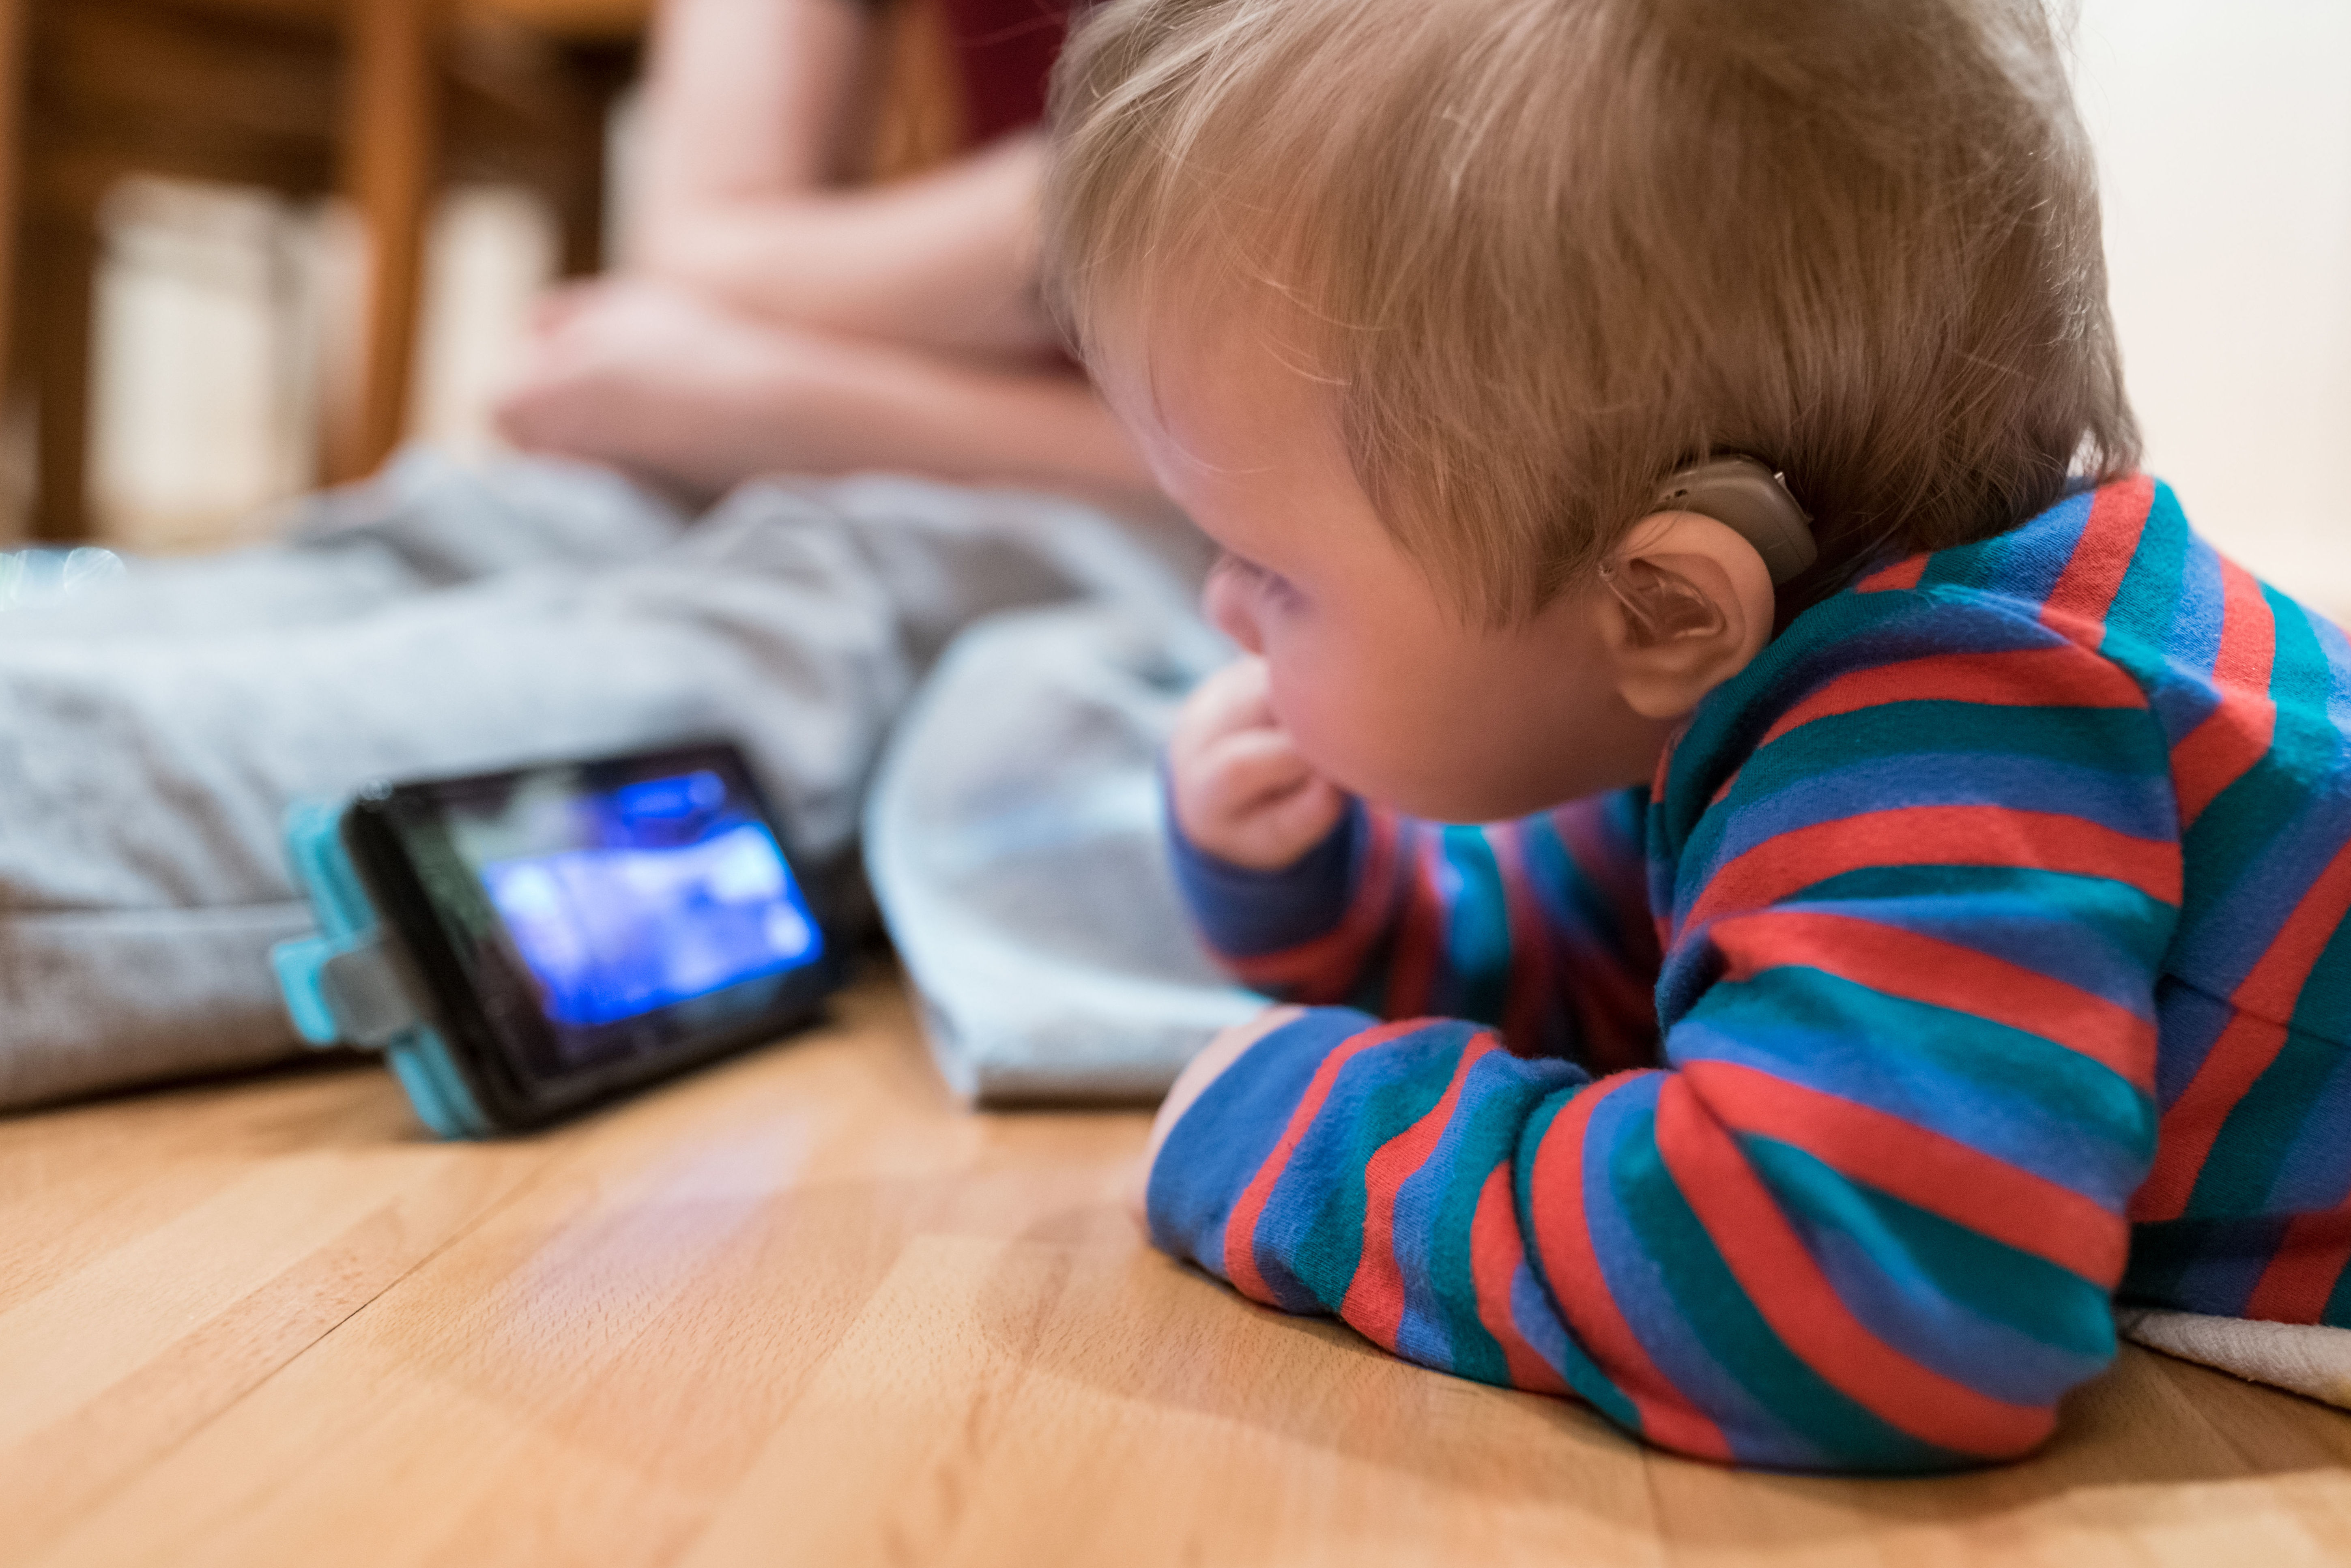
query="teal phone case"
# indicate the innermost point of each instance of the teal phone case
(341, 989)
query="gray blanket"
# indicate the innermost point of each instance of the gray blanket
(443, 619)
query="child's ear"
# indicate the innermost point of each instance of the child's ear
(1686, 604)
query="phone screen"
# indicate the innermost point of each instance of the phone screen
(589, 914)
(625, 900)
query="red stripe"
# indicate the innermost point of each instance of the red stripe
(1922, 1167)
(1769, 1260)
(2184, 1139)
(1938, 835)
(2247, 1046)
(1324, 970)
(1420, 932)
(2278, 977)
(1532, 995)
(1495, 1254)
(1900, 575)
(1620, 871)
(1617, 1014)
(1664, 918)
(1240, 1226)
(2023, 677)
(1613, 1004)
(2237, 734)
(1374, 1301)
(1571, 1264)
(2311, 1258)
(1915, 968)
(2094, 574)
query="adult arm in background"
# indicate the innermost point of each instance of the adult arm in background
(771, 318)
(756, 114)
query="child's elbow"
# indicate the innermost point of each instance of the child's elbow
(1944, 1391)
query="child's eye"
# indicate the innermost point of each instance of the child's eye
(1257, 578)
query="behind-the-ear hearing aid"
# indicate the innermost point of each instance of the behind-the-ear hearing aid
(1752, 500)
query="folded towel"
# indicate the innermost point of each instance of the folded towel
(1013, 842)
(2307, 1358)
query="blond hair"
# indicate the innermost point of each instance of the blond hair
(1547, 251)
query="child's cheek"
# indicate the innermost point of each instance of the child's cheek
(1347, 730)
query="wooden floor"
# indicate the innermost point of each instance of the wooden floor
(801, 1308)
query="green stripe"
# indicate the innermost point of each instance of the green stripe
(2149, 601)
(2110, 740)
(2258, 1132)
(2225, 842)
(1475, 945)
(1807, 1012)
(1734, 716)
(2337, 1313)
(2137, 928)
(1711, 1301)
(1582, 1373)
(2028, 1295)
(1325, 1257)
(1488, 1129)
(2118, 742)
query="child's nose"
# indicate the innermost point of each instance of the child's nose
(1226, 604)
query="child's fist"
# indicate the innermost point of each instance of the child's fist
(1202, 1070)
(1242, 791)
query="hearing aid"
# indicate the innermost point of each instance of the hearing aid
(1752, 500)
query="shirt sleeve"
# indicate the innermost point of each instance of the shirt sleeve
(1869, 1214)
(1541, 928)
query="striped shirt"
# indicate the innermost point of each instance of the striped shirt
(1977, 957)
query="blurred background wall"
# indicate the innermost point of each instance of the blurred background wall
(2224, 138)
(2223, 132)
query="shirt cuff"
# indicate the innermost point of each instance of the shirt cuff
(1216, 1147)
(1245, 912)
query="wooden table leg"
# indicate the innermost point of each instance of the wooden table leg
(391, 153)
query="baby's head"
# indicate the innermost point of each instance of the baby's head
(1415, 306)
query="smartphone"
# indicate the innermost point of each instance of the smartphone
(561, 935)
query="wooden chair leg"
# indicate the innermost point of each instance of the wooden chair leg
(582, 224)
(12, 163)
(56, 293)
(391, 126)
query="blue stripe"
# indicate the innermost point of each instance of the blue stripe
(1632, 1278)
(2140, 804)
(2009, 1096)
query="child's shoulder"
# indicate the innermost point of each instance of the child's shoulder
(2116, 570)
(2107, 600)
(2122, 547)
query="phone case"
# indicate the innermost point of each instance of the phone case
(341, 988)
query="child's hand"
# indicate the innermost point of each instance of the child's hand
(1242, 791)
(1199, 1073)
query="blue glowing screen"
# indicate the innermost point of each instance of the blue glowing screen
(664, 890)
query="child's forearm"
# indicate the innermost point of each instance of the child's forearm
(1540, 926)
(1870, 1213)
(1723, 1260)
(1306, 930)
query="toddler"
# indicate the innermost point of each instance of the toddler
(1912, 915)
